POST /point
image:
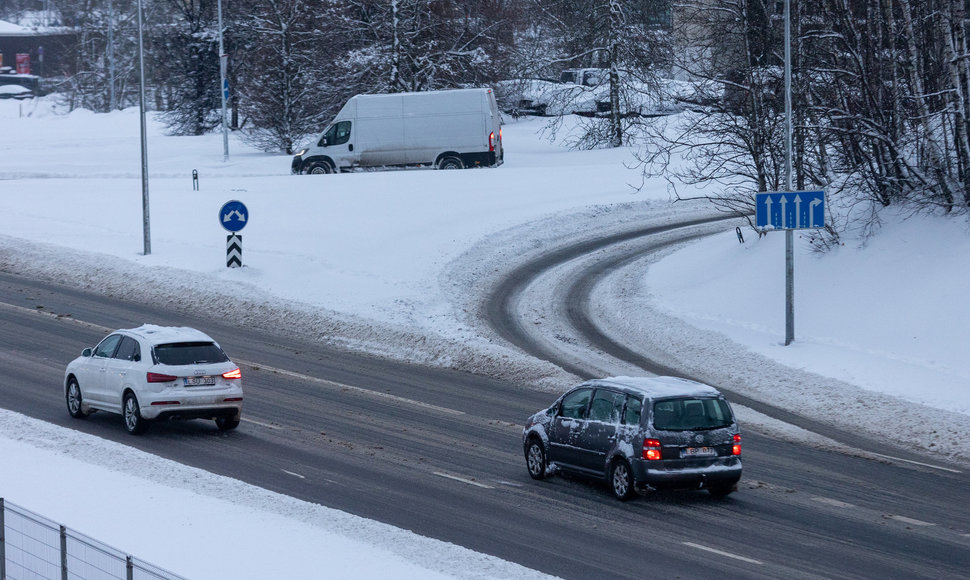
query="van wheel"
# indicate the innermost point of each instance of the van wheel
(450, 163)
(322, 168)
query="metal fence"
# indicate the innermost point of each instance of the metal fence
(33, 547)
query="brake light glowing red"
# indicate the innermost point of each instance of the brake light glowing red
(160, 378)
(233, 374)
(491, 141)
(736, 449)
(651, 450)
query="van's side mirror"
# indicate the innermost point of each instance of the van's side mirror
(86, 352)
(324, 142)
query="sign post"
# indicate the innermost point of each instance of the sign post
(789, 211)
(233, 216)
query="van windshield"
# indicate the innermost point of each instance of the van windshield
(691, 414)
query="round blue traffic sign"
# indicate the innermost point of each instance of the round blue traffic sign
(233, 215)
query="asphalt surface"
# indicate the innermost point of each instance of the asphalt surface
(439, 453)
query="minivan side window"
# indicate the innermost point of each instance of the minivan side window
(574, 404)
(607, 406)
(631, 415)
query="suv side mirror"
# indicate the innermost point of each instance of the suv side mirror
(86, 352)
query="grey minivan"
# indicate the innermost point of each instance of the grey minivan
(639, 433)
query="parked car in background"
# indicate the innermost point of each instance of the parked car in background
(152, 373)
(638, 434)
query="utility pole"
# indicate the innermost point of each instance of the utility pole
(146, 226)
(224, 88)
(789, 234)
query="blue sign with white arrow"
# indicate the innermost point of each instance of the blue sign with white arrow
(233, 215)
(790, 210)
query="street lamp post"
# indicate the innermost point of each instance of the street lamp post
(224, 86)
(789, 234)
(146, 226)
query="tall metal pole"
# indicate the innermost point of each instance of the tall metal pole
(789, 234)
(146, 226)
(113, 100)
(223, 86)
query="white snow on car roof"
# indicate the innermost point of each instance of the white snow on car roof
(661, 386)
(165, 334)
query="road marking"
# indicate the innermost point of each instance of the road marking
(833, 502)
(293, 474)
(915, 462)
(54, 315)
(910, 521)
(725, 554)
(344, 387)
(260, 423)
(463, 480)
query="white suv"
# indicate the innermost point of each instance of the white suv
(155, 372)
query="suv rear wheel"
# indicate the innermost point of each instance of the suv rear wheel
(131, 412)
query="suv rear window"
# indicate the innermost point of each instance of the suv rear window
(691, 414)
(189, 353)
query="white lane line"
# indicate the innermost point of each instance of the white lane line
(344, 387)
(292, 473)
(833, 502)
(910, 521)
(260, 423)
(463, 480)
(725, 554)
(54, 315)
(915, 462)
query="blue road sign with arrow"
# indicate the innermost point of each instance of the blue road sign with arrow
(791, 210)
(233, 215)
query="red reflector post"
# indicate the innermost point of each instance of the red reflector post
(651, 450)
(233, 374)
(160, 378)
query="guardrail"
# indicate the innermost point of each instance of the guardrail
(34, 547)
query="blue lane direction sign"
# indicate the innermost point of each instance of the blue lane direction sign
(233, 215)
(790, 210)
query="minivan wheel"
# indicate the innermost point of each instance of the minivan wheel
(451, 163)
(535, 460)
(322, 168)
(74, 400)
(721, 490)
(621, 480)
(134, 424)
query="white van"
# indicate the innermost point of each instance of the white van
(444, 129)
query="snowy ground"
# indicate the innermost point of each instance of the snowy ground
(392, 262)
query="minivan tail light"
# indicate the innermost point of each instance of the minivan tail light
(736, 448)
(233, 374)
(160, 378)
(651, 450)
(491, 141)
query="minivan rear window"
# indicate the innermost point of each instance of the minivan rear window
(691, 414)
(189, 353)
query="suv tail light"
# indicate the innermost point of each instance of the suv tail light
(233, 374)
(736, 449)
(651, 450)
(160, 378)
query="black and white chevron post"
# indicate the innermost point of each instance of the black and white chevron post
(234, 251)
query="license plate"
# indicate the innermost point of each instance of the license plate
(199, 381)
(698, 452)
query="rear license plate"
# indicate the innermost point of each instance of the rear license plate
(199, 381)
(698, 452)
